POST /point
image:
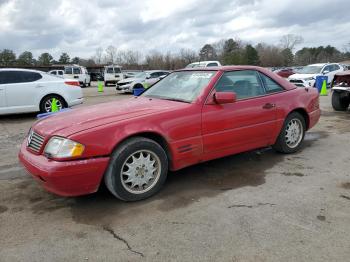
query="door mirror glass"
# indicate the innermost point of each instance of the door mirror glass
(325, 72)
(225, 97)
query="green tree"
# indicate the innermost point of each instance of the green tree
(207, 52)
(7, 57)
(233, 54)
(64, 58)
(45, 59)
(25, 59)
(251, 56)
(75, 60)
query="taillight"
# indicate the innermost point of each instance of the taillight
(72, 83)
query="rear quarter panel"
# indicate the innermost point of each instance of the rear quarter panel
(305, 99)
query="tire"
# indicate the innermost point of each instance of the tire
(289, 140)
(127, 159)
(340, 102)
(45, 104)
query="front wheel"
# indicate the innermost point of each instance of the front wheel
(291, 135)
(340, 101)
(138, 169)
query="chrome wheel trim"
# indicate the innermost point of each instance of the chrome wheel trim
(48, 104)
(294, 133)
(140, 172)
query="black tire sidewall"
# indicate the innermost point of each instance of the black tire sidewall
(113, 177)
(339, 103)
(281, 145)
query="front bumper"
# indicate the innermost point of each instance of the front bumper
(125, 88)
(66, 178)
(302, 82)
(75, 102)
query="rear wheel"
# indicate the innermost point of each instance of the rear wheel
(340, 101)
(138, 169)
(292, 134)
(46, 103)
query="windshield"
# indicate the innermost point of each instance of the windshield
(310, 70)
(180, 86)
(140, 75)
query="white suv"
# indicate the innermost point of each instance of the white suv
(113, 74)
(78, 73)
(306, 77)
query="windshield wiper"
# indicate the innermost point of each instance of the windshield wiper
(176, 99)
(169, 98)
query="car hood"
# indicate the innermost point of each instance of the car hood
(131, 79)
(77, 120)
(302, 76)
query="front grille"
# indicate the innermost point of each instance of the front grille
(122, 84)
(35, 141)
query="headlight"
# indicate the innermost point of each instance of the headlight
(59, 147)
(309, 79)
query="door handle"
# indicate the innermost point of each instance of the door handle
(269, 106)
(39, 86)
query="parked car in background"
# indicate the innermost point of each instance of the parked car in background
(23, 90)
(203, 64)
(306, 76)
(341, 91)
(141, 79)
(78, 73)
(59, 73)
(285, 72)
(189, 117)
(112, 74)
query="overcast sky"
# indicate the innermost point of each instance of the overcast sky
(80, 26)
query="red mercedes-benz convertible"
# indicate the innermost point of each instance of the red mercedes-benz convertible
(191, 116)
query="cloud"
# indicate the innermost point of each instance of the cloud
(79, 27)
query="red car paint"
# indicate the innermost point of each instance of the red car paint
(285, 72)
(191, 132)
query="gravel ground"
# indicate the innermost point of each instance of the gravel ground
(255, 206)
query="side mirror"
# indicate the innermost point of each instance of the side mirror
(225, 97)
(325, 72)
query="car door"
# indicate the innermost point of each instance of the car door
(22, 90)
(248, 123)
(2, 89)
(154, 77)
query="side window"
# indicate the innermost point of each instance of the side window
(117, 70)
(76, 71)
(68, 70)
(14, 77)
(54, 73)
(335, 67)
(30, 76)
(270, 85)
(110, 70)
(244, 83)
(327, 68)
(212, 64)
(154, 75)
(60, 73)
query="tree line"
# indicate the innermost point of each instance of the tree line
(227, 51)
